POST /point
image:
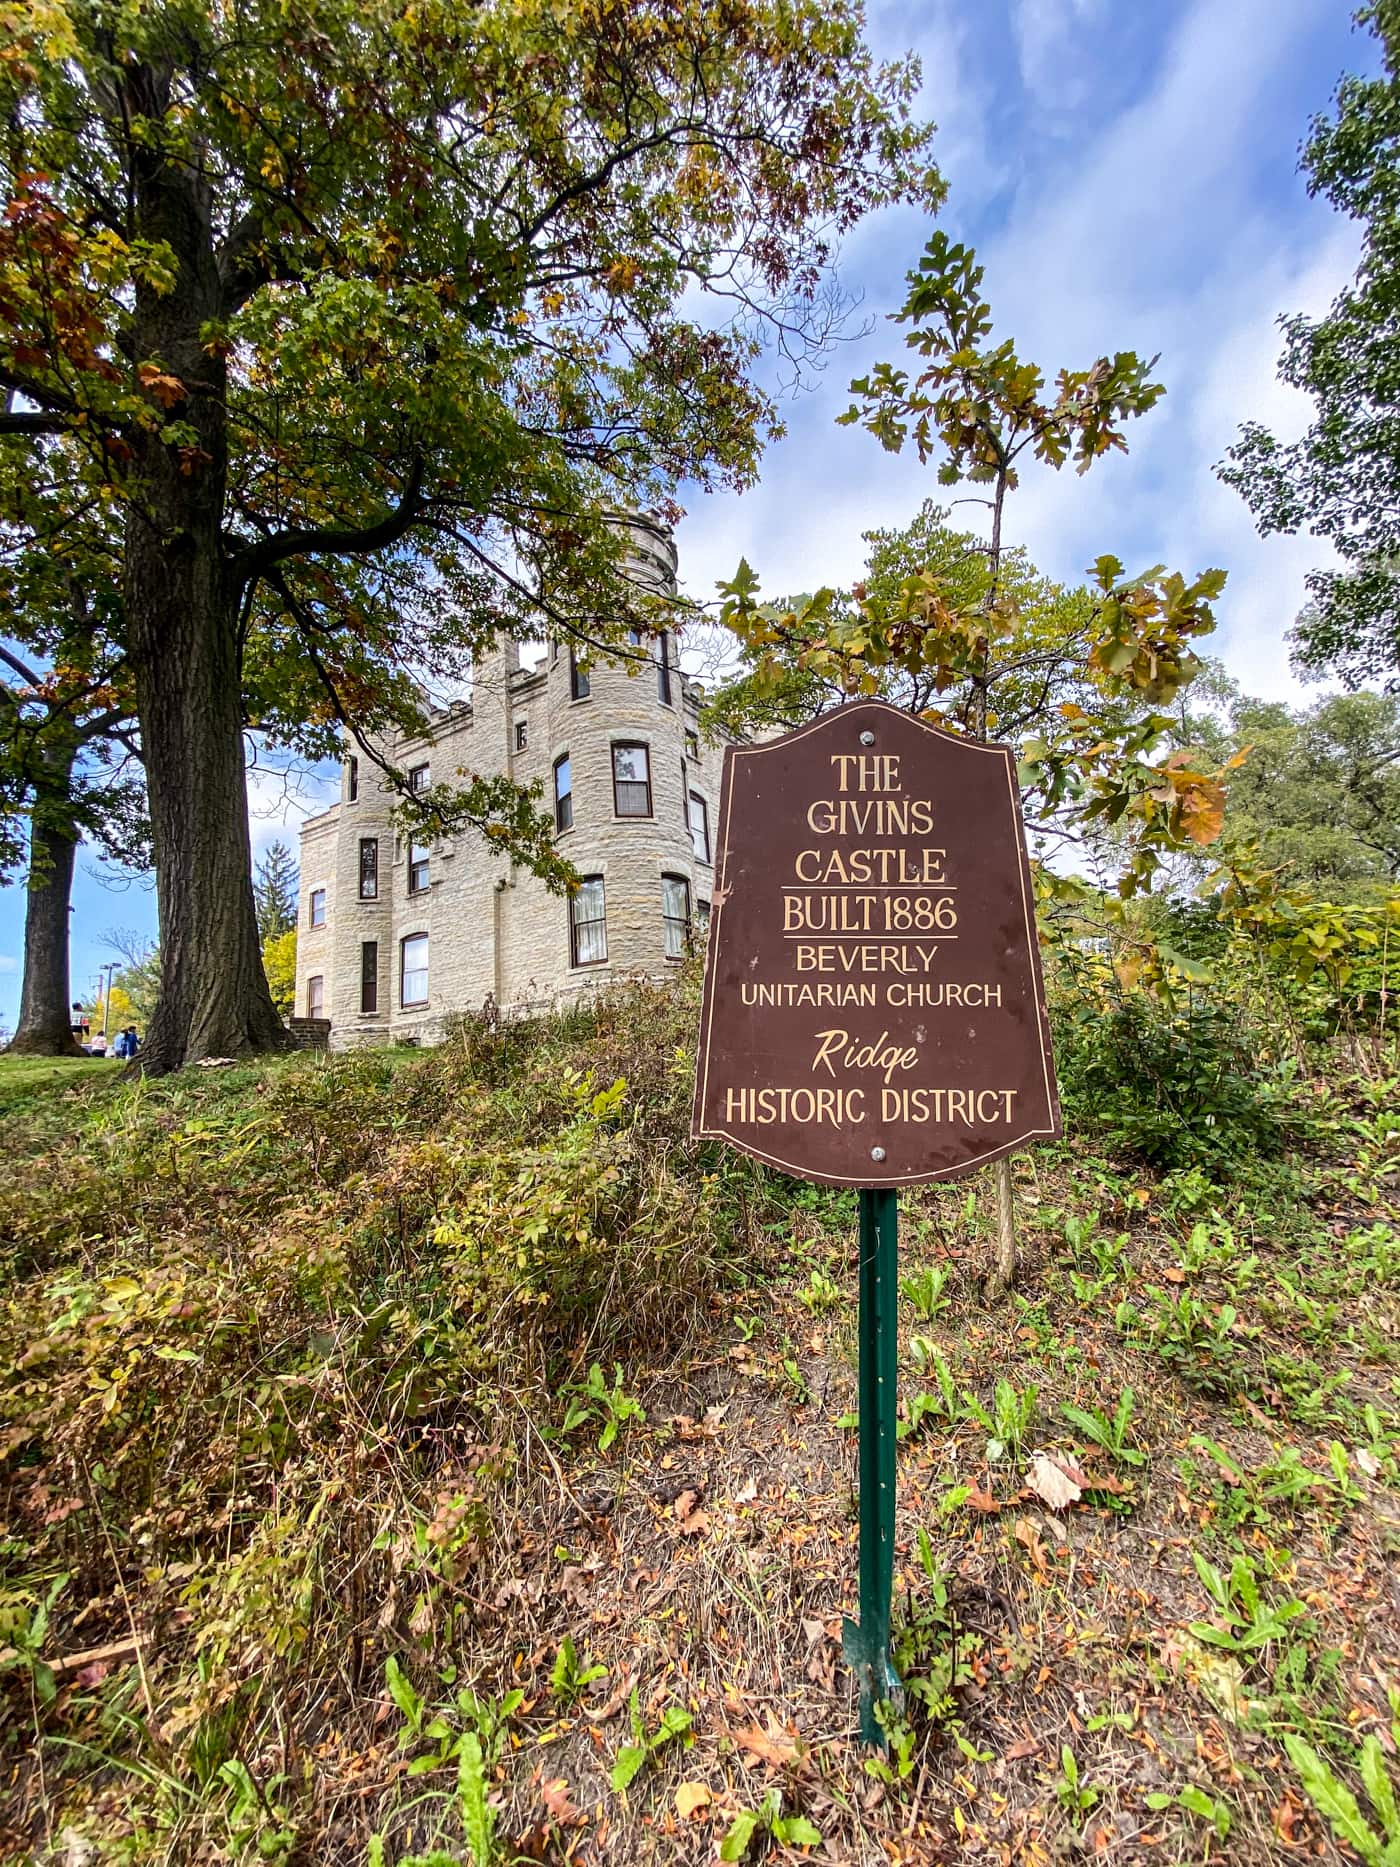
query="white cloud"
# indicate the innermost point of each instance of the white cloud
(954, 94)
(1167, 230)
(1050, 51)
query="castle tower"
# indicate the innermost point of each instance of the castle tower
(618, 783)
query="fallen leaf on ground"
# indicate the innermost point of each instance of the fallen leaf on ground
(775, 1745)
(1027, 1534)
(611, 1707)
(692, 1522)
(1055, 1479)
(747, 1493)
(691, 1798)
(555, 1796)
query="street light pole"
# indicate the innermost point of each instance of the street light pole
(109, 969)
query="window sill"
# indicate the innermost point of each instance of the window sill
(417, 1004)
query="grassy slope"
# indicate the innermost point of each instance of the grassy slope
(287, 1360)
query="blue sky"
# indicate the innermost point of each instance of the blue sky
(1126, 170)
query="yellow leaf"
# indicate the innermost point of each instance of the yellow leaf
(691, 1799)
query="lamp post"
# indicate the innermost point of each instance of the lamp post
(109, 969)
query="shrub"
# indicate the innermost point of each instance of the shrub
(1176, 1087)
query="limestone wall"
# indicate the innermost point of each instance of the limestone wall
(493, 929)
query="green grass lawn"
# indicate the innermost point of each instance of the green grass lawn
(24, 1077)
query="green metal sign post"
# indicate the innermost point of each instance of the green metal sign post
(866, 1643)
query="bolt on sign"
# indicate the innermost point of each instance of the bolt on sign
(874, 1014)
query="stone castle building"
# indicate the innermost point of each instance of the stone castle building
(395, 937)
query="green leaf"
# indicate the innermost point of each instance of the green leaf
(629, 1760)
(478, 1820)
(741, 1833)
(403, 1694)
(1379, 1788)
(1333, 1800)
(797, 1832)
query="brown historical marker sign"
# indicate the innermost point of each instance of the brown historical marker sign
(873, 1012)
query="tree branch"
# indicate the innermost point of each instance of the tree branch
(22, 423)
(254, 561)
(24, 673)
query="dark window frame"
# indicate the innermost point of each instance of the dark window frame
(419, 857)
(692, 745)
(522, 735)
(412, 1004)
(563, 801)
(580, 685)
(419, 777)
(697, 797)
(369, 873)
(313, 1008)
(352, 779)
(670, 921)
(663, 669)
(631, 745)
(318, 898)
(369, 978)
(576, 926)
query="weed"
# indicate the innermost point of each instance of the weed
(593, 1402)
(1196, 1340)
(822, 1293)
(256, 1824)
(1196, 1802)
(470, 1733)
(796, 1381)
(24, 1628)
(1105, 1430)
(1336, 1803)
(924, 1290)
(749, 1825)
(1009, 1421)
(1074, 1795)
(675, 1725)
(568, 1680)
(1250, 1623)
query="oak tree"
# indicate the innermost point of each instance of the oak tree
(1341, 480)
(367, 316)
(70, 760)
(987, 415)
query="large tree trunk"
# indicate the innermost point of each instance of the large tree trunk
(182, 640)
(45, 1025)
(214, 1000)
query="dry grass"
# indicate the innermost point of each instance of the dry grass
(318, 1504)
